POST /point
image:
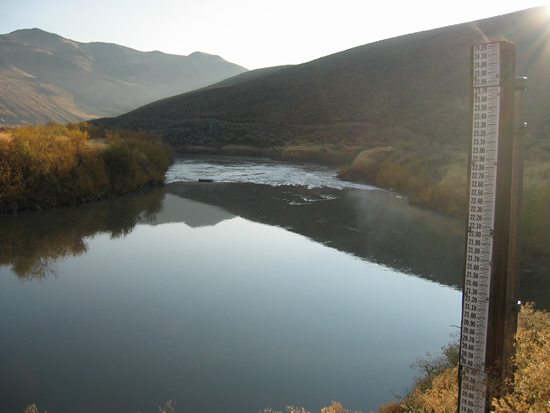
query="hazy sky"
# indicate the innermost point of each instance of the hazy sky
(251, 33)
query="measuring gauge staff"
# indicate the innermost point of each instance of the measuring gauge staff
(481, 220)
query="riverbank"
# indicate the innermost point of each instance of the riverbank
(376, 225)
(378, 222)
(327, 154)
(268, 293)
(434, 177)
(55, 165)
(436, 388)
(436, 181)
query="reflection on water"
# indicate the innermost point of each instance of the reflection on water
(224, 297)
(190, 302)
(32, 243)
(371, 224)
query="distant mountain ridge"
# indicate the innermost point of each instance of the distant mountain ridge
(415, 85)
(45, 77)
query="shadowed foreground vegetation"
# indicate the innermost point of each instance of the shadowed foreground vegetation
(52, 165)
(436, 389)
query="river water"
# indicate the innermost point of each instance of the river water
(275, 285)
(257, 171)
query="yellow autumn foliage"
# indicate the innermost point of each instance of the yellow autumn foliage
(49, 165)
(528, 393)
(531, 388)
(335, 407)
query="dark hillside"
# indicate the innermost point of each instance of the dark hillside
(412, 88)
(250, 75)
(395, 113)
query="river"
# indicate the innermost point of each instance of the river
(276, 284)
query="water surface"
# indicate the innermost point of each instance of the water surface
(257, 171)
(228, 297)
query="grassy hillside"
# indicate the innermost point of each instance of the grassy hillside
(418, 83)
(408, 95)
(93, 79)
(23, 93)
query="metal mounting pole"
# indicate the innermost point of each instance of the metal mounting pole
(514, 260)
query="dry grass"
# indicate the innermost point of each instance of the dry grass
(437, 182)
(323, 153)
(335, 407)
(366, 164)
(169, 407)
(53, 164)
(529, 392)
(31, 408)
(442, 396)
(531, 387)
(98, 144)
(5, 136)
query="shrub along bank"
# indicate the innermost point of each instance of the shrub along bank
(437, 387)
(51, 165)
(437, 180)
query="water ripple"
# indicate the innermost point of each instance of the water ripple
(266, 172)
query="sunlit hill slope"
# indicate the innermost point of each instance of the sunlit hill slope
(45, 77)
